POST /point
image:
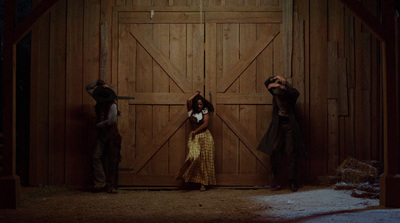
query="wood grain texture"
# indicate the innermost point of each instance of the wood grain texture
(127, 87)
(57, 79)
(75, 159)
(39, 115)
(318, 84)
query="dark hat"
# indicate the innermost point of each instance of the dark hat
(104, 94)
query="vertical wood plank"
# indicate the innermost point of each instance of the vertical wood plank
(57, 94)
(215, 2)
(178, 141)
(160, 85)
(349, 130)
(287, 37)
(212, 39)
(349, 48)
(278, 55)
(75, 160)
(179, 2)
(39, 152)
(120, 2)
(129, 2)
(299, 66)
(318, 83)
(299, 83)
(161, 2)
(142, 3)
(333, 82)
(349, 140)
(232, 2)
(279, 69)
(333, 135)
(230, 141)
(91, 70)
(303, 14)
(112, 75)
(106, 36)
(34, 112)
(358, 89)
(103, 50)
(366, 61)
(127, 87)
(342, 88)
(336, 24)
(264, 71)
(376, 144)
(247, 113)
(144, 84)
(366, 95)
(342, 144)
(197, 57)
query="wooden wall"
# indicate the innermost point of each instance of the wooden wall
(335, 60)
(343, 79)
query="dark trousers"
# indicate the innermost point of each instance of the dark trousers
(285, 141)
(105, 161)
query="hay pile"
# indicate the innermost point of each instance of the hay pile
(360, 177)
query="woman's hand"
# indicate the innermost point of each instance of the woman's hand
(194, 95)
(281, 79)
(273, 85)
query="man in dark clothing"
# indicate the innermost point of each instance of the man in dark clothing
(106, 154)
(283, 134)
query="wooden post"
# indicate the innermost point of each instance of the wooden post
(9, 181)
(390, 179)
(385, 31)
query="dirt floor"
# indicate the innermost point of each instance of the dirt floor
(309, 204)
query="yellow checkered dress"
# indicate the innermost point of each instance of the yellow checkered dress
(199, 164)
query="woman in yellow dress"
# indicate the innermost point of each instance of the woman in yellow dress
(199, 164)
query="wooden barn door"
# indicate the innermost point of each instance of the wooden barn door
(162, 58)
(160, 62)
(241, 54)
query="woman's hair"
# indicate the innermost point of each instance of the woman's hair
(206, 104)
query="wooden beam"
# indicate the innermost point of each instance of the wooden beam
(244, 99)
(25, 25)
(248, 57)
(160, 99)
(171, 69)
(195, 8)
(240, 130)
(241, 17)
(155, 144)
(390, 179)
(9, 181)
(360, 12)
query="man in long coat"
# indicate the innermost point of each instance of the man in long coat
(283, 134)
(108, 140)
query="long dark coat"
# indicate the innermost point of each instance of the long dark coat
(267, 142)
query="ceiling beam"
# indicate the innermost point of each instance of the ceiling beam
(25, 25)
(362, 13)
